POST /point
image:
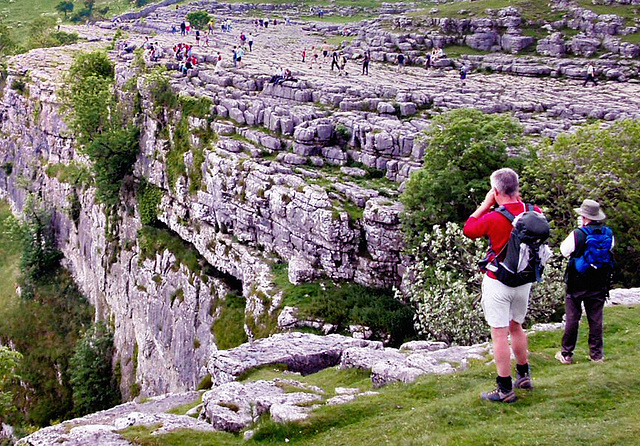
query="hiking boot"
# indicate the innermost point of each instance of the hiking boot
(564, 359)
(599, 360)
(498, 396)
(523, 381)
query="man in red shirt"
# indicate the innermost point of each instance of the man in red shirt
(504, 307)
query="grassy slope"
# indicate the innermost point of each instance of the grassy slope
(581, 404)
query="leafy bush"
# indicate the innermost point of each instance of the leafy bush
(601, 164)
(199, 19)
(42, 34)
(445, 288)
(464, 147)
(90, 96)
(149, 197)
(113, 154)
(9, 361)
(96, 64)
(94, 386)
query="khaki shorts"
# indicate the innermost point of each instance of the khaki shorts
(502, 304)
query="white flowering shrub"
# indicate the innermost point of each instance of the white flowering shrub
(444, 286)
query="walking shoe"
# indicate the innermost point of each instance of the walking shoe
(498, 396)
(523, 381)
(597, 361)
(564, 359)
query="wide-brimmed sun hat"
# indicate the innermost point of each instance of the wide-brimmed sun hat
(591, 210)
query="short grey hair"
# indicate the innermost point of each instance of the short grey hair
(505, 180)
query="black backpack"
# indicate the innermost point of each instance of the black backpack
(523, 257)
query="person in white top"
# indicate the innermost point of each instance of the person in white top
(588, 279)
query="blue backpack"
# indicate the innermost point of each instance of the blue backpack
(597, 249)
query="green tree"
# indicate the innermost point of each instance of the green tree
(40, 255)
(199, 19)
(464, 147)
(65, 7)
(42, 34)
(9, 362)
(94, 385)
(602, 164)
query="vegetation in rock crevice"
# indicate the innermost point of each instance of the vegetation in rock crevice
(344, 304)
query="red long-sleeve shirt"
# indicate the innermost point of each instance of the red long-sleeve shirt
(494, 226)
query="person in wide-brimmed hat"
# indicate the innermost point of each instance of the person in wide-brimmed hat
(588, 278)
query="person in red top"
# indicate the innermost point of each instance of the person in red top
(504, 307)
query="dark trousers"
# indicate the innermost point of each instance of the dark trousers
(365, 67)
(590, 78)
(593, 304)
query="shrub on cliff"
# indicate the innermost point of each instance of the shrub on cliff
(444, 287)
(602, 164)
(94, 385)
(199, 19)
(100, 128)
(113, 155)
(464, 147)
(90, 99)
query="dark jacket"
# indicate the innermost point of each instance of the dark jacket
(592, 279)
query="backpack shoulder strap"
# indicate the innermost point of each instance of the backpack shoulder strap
(504, 212)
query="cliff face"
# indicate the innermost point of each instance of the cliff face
(244, 214)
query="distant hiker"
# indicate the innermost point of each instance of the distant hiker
(251, 42)
(334, 61)
(183, 29)
(365, 62)
(235, 57)
(198, 37)
(591, 75)
(304, 54)
(187, 26)
(427, 61)
(463, 75)
(239, 55)
(400, 60)
(325, 51)
(505, 307)
(343, 65)
(588, 279)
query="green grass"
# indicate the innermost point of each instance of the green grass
(229, 327)
(531, 9)
(581, 404)
(628, 12)
(338, 19)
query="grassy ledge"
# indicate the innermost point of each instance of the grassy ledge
(581, 404)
